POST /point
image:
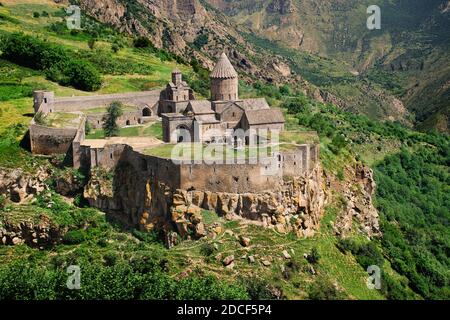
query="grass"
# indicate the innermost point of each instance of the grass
(190, 151)
(155, 130)
(62, 120)
(299, 137)
(102, 110)
(151, 130)
(267, 244)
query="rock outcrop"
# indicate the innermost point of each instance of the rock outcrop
(358, 192)
(18, 185)
(40, 234)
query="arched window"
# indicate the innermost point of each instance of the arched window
(146, 112)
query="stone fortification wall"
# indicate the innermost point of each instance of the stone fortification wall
(149, 98)
(49, 141)
(229, 178)
(77, 153)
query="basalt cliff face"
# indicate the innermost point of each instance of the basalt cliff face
(297, 207)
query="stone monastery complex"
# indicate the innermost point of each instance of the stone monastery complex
(149, 183)
(204, 121)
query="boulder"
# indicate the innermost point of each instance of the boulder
(266, 263)
(286, 255)
(244, 241)
(228, 260)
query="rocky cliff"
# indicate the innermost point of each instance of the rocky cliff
(296, 207)
(186, 28)
(18, 185)
(355, 196)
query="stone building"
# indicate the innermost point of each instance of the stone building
(175, 98)
(215, 120)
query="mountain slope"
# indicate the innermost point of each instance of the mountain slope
(411, 49)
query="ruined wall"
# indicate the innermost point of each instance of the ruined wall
(129, 118)
(107, 157)
(78, 155)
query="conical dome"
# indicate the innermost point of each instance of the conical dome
(223, 69)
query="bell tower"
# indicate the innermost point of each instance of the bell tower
(224, 81)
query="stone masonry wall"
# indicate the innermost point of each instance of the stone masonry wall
(81, 103)
(48, 141)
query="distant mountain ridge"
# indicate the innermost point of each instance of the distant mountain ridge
(400, 72)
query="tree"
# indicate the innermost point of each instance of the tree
(91, 43)
(142, 42)
(114, 111)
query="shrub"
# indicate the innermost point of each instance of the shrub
(110, 258)
(36, 15)
(74, 237)
(142, 42)
(39, 118)
(91, 43)
(313, 256)
(88, 127)
(257, 289)
(59, 65)
(323, 289)
(115, 47)
(2, 202)
(207, 249)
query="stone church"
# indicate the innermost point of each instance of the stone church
(213, 120)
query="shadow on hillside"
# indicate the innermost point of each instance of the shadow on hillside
(25, 143)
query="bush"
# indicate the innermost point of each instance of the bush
(74, 237)
(39, 118)
(2, 202)
(91, 43)
(207, 249)
(59, 65)
(36, 15)
(323, 289)
(121, 281)
(142, 42)
(313, 256)
(110, 258)
(257, 289)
